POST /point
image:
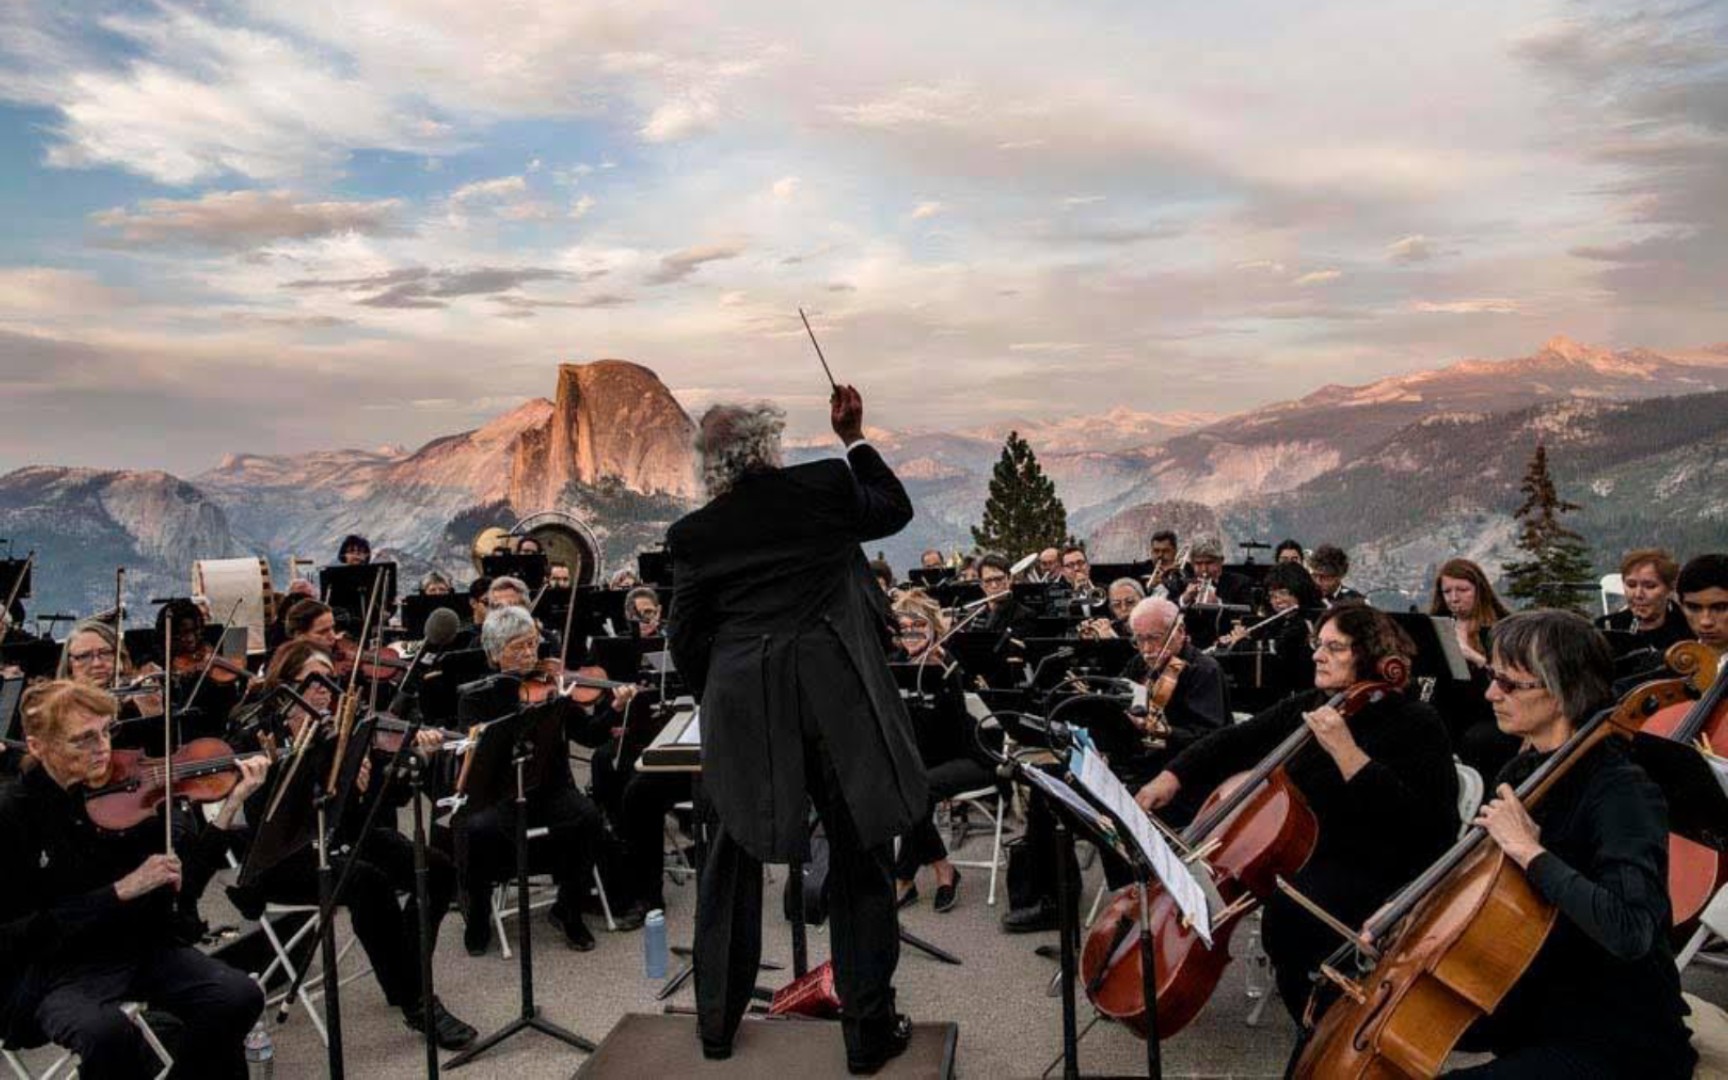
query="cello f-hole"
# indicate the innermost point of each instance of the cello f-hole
(1360, 1040)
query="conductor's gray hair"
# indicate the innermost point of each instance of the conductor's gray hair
(733, 441)
(504, 625)
(1570, 657)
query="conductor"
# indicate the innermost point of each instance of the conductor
(781, 633)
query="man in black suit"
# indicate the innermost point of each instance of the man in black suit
(781, 634)
(1212, 583)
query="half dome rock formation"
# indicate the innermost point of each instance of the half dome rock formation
(610, 418)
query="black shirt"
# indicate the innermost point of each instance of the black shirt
(1197, 709)
(1605, 978)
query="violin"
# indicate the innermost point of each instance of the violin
(381, 665)
(1695, 872)
(209, 663)
(1158, 697)
(549, 680)
(1446, 950)
(389, 732)
(1254, 829)
(201, 771)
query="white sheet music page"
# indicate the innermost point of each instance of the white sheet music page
(1095, 776)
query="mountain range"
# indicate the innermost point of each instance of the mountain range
(1405, 471)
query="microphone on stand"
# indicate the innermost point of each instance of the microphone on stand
(442, 626)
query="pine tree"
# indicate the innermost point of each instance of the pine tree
(1023, 514)
(1558, 558)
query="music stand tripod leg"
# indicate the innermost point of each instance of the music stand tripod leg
(529, 1018)
(327, 940)
(1068, 901)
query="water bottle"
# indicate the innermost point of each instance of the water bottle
(260, 1054)
(1256, 966)
(654, 945)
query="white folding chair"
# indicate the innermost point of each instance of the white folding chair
(506, 890)
(66, 1064)
(312, 987)
(1470, 793)
(982, 798)
(1712, 923)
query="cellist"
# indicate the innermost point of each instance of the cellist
(1381, 784)
(1602, 997)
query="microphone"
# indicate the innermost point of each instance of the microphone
(442, 626)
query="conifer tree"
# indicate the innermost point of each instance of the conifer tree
(1557, 559)
(1023, 514)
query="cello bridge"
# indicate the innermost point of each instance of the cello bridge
(1351, 988)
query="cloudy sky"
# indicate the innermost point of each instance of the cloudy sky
(281, 225)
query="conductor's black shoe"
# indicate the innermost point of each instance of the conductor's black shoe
(1029, 920)
(907, 898)
(891, 1045)
(716, 1051)
(576, 933)
(447, 1031)
(477, 934)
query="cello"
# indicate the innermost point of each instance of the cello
(1695, 872)
(1446, 950)
(1253, 830)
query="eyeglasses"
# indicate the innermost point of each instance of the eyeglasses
(1073, 564)
(1334, 648)
(1143, 640)
(521, 647)
(1508, 685)
(90, 740)
(89, 655)
(993, 579)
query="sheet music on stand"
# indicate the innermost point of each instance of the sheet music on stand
(1064, 794)
(1096, 779)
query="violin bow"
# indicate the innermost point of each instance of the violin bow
(831, 383)
(119, 624)
(569, 619)
(168, 741)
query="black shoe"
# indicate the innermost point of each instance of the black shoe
(576, 933)
(632, 917)
(1030, 920)
(716, 1051)
(893, 1044)
(447, 1031)
(477, 914)
(947, 895)
(907, 898)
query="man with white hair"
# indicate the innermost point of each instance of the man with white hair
(780, 632)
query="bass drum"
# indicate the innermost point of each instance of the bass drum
(565, 538)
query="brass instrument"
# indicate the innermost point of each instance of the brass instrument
(563, 537)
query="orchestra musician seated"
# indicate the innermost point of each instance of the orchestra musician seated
(1122, 595)
(372, 879)
(1289, 641)
(355, 551)
(1049, 566)
(947, 744)
(1651, 620)
(1289, 551)
(884, 575)
(485, 839)
(205, 713)
(90, 919)
(1381, 785)
(1004, 613)
(1463, 592)
(931, 559)
(624, 579)
(1602, 997)
(435, 584)
(558, 575)
(88, 656)
(1330, 565)
(968, 569)
(1168, 573)
(1197, 707)
(642, 612)
(313, 622)
(1703, 589)
(509, 591)
(1213, 584)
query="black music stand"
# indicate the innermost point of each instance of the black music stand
(506, 748)
(417, 608)
(950, 594)
(992, 656)
(654, 568)
(348, 588)
(928, 579)
(1206, 623)
(37, 659)
(10, 571)
(1034, 594)
(1103, 573)
(622, 656)
(531, 568)
(1094, 656)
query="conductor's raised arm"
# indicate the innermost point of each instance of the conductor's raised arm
(883, 507)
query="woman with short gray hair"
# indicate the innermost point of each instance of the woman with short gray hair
(1602, 997)
(504, 625)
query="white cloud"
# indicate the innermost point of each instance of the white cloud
(926, 210)
(681, 264)
(581, 206)
(33, 292)
(1318, 277)
(1481, 306)
(680, 119)
(241, 219)
(786, 187)
(1411, 249)
(502, 187)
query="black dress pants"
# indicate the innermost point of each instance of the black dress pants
(647, 799)
(485, 842)
(864, 934)
(388, 930)
(216, 1004)
(923, 845)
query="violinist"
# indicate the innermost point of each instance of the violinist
(1196, 708)
(355, 551)
(313, 622)
(1462, 591)
(1602, 997)
(947, 743)
(88, 657)
(387, 928)
(90, 919)
(1289, 551)
(1004, 613)
(1703, 589)
(219, 692)
(435, 584)
(1381, 785)
(485, 839)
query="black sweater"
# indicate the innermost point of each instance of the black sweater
(58, 905)
(1385, 824)
(1605, 978)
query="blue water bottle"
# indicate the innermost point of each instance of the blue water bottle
(654, 945)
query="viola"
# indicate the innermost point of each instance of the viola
(201, 771)
(1250, 832)
(1695, 872)
(1446, 950)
